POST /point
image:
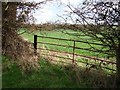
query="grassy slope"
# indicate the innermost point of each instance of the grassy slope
(49, 76)
(53, 76)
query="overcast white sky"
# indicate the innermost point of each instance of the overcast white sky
(49, 11)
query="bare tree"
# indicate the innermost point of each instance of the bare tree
(100, 21)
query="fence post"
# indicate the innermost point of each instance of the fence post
(73, 52)
(35, 44)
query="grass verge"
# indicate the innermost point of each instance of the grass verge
(53, 76)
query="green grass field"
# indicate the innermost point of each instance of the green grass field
(61, 34)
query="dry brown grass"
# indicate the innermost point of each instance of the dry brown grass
(21, 51)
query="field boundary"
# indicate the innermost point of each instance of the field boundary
(73, 54)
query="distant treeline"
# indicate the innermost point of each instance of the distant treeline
(50, 27)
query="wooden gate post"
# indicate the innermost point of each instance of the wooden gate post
(35, 44)
(73, 52)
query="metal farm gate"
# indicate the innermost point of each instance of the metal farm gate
(103, 63)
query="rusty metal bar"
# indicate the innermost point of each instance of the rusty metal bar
(55, 44)
(72, 40)
(70, 59)
(87, 49)
(77, 61)
(59, 57)
(59, 61)
(89, 57)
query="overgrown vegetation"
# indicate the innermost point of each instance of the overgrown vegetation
(103, 21)
(54, 76)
